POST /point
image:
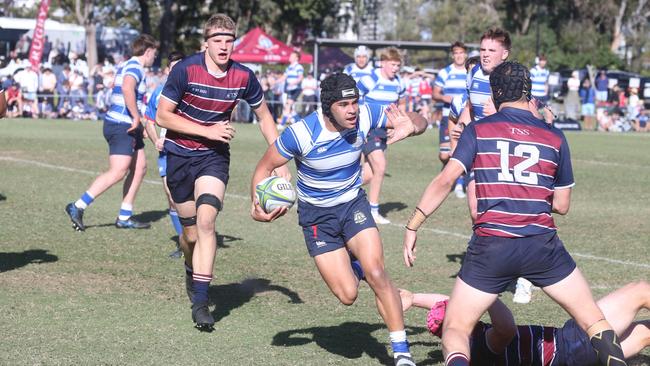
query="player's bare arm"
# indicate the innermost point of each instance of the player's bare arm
(403, 124)
(269, 162)
(166, 118)
(434, 195)
(129, 86)
(503, 327)
(270, 133)
(437, 95)
(152, 134)
(561, 201)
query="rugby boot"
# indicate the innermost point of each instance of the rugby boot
(403, 360)
(202, 318)
(131, 223)
(76, 216)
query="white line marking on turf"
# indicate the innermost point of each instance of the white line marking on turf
(608, 163)
(436, 231)
(86, 172)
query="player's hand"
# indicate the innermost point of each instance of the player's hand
(402, 125)
(135, 124)
(258, 213)
(160, 143)
(407, 298)
(223, 132)
(410, 238)
(488, 107)
(535, 106)
(456, 131)
(283, 172)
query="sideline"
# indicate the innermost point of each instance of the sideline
(436, 231)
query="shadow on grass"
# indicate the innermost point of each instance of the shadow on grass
(151, 216)
(3, 197)
(234, 295)
(350, 340)
(11, 261)
(387, 207)
(456, 258)
(221, 240)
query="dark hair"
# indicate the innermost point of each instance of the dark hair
(143, 43)
(472, 61)
(458, 44)
(498, 35)
(175, 56)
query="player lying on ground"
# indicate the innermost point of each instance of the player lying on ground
(503, 342)
(333, 210)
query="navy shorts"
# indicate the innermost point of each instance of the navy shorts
(329, 228)
(293, 94)
(162, 164)
(493, 262)
(443, 133)
(573, 346)
(376, 140)
(121, 142)
(183, 171)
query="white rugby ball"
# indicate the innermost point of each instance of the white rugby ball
(274, 192)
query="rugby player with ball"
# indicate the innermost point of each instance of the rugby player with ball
(333, 210)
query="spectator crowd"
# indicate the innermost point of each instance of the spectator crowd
(64, 87)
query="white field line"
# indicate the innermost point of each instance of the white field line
(609, 163)
(400, 226)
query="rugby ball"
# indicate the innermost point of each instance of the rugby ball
(274, 192)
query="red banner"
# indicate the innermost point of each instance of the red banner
(36, 49)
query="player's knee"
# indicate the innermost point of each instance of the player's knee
(347, 295)
(444, 157)
(376, 277)
(190, 236)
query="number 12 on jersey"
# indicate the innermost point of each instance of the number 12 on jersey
(519, 173)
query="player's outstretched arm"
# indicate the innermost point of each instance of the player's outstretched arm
(424, 301)
(270, 133)
(503, 327)
(166, 118)
(431, 199)
(403, 124)
(265, 167)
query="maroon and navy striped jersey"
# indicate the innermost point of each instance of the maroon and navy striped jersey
(518, 163)
(533, 345)
(206, 98)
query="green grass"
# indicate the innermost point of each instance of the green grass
(107, 296)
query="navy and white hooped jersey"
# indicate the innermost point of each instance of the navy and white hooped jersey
(538, 78)
(457, 105)
(533, 345)
(478, 86)
(204, 98)
(329, 163)
(117, 112)
(452, 81)
(518, 163)
(293, 74)
(356, 72)
(377, 89)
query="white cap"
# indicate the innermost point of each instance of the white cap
(361, 50)
(474, 53)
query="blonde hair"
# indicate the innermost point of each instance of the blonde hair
(219, 20)
(390, 54)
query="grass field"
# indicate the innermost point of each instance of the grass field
(108, 296)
